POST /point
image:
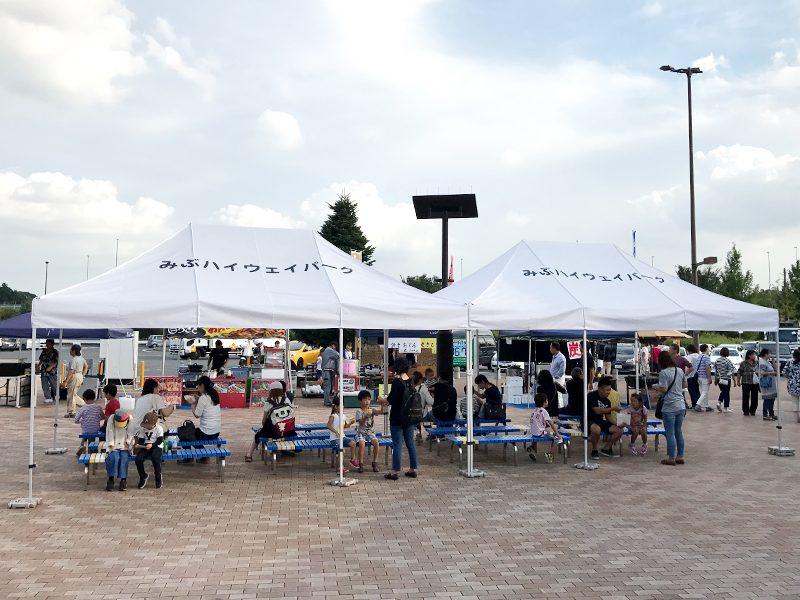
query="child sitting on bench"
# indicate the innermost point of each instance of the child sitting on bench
(335, 428)
(638, 412)
(542, 426)
(148, 445)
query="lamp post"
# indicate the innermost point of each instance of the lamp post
(87, 267)
(46, 263)
(769, 272)
(689, 72)
(116, 255)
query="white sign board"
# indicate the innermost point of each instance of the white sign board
(406, 345)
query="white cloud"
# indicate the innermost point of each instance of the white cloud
(282, 129)
(75, 50)
(512, 158)
(250, 215)
(60, 219)
(652, 9)
(710, 63)
(732, 161)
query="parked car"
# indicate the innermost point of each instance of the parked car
(155, 341)
(786, 351)
(302, 354)
(624, 361)
(750, 346)
(735, 356)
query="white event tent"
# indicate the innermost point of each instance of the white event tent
(222, 276)
(573, 286)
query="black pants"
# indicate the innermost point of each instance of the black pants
(202, 435)
(749, 398)
(693, 387)
(154, 454)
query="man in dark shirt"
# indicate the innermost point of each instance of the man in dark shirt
(489, 394)
(218, 357)
(599, 407)
(445, 399)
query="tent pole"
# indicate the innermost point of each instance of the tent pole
(636, 357)
(497, 371)
(470, 472)
(30, 501)
(528, 379)
(779, 450)
(163, 354)
(340, 480)
(585, 464)
(386, 378)
(286, 360)
(55, 449)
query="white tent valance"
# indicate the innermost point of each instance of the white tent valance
(222, 276)
(557, 285)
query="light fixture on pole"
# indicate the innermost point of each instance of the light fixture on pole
(769, 272)
(116, 254)
(46, 263)
(689, 72)
(87, 267)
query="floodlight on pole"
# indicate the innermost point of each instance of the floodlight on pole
(689, 71)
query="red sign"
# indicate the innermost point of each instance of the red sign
(171, 389)
(574, 350)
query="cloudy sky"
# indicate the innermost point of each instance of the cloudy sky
(129, 120)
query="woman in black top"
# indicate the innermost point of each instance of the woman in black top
(547, 386)
(399, 431)
(575, 394)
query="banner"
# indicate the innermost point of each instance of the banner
(575, 350)
(224, 332)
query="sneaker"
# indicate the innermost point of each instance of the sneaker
(698, 408)
(123, 485)
(669, 461)
(343, 470)
(158, 480)
(632, 448)
(609, 453)
(719, 406)
(392, 476)
(411, 473)
(709, 409)
(110, 484)
(355, 464)
(549, 457)
(531, 455)
(143, 481)
(727, 410)
(644, 449)
(595, 455)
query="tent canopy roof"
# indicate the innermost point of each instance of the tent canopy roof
(20, 327)
(222, 276)
(566, 286)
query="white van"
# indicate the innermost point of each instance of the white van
(189, 347)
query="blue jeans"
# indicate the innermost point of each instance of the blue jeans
(673, 425)
(50, 385)
(400, 433)
(768, 407)
(117, 463)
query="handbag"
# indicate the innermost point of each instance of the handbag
(724, 381)
(660, 405)
(494, 411)
(186, 432)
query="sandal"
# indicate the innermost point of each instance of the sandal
(248, 458)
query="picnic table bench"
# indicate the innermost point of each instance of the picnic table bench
(438, 433)
(461, 440)
(100, 446)
(294, 444)
(218, 453)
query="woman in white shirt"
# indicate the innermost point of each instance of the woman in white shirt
(207, 411)
(74, 380)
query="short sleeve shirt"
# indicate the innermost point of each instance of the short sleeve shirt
(595, 400)
(369, 425)
(76, 364)
(673, 399)
(209, 415)
(539, 420)
(111, 407)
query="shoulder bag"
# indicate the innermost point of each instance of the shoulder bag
(186, 432)
(660, 405)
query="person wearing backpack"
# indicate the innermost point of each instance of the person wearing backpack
(278, 414)
(406, 402)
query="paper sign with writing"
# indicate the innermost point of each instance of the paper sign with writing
(575, 350)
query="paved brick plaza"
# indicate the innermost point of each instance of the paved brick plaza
(725, 525)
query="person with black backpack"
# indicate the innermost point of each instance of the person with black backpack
(406, 412)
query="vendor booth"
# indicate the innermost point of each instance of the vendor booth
(550, 286)
(248, 277)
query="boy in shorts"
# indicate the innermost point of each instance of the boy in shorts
(542, 426)
(599, 407)
(365, 433)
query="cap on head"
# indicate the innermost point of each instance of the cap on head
(275, 385)
(121, 417)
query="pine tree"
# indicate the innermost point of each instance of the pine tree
(341, 228)
(734, 282)
(707, 278)
(793, 290)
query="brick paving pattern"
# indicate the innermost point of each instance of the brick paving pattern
(725, 525)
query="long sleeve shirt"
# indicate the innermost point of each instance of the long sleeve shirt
(558, 366)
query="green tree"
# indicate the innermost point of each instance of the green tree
(734, 282)
(707, 278)
(341, 228)
(13, 297)
(426, 283)
(792, 291)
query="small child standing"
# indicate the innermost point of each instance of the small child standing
(112, 404)
(365, 434)
(543, 426)
(148, 445)
(334, 428)
(638, 412)
(90, 416)
(119, 435)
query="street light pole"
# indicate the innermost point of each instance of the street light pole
(46, 263)
(116, 254)
(87, 267)
(689, 72)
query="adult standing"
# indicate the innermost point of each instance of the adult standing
(592, 370)
(693, 384)
(330, 366)
(48, 368)
(218, 358)
(558, 369)
(546, 384)
(768, 384)
(724, 373)
(575, 393)
(206, 410)
(671, 383)
(748, 379)
(792, 372)
(703, 378)
(74, 380)
(608, 358)
(684, 364)
(644, 360)
(149, 401)
(400, 432)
